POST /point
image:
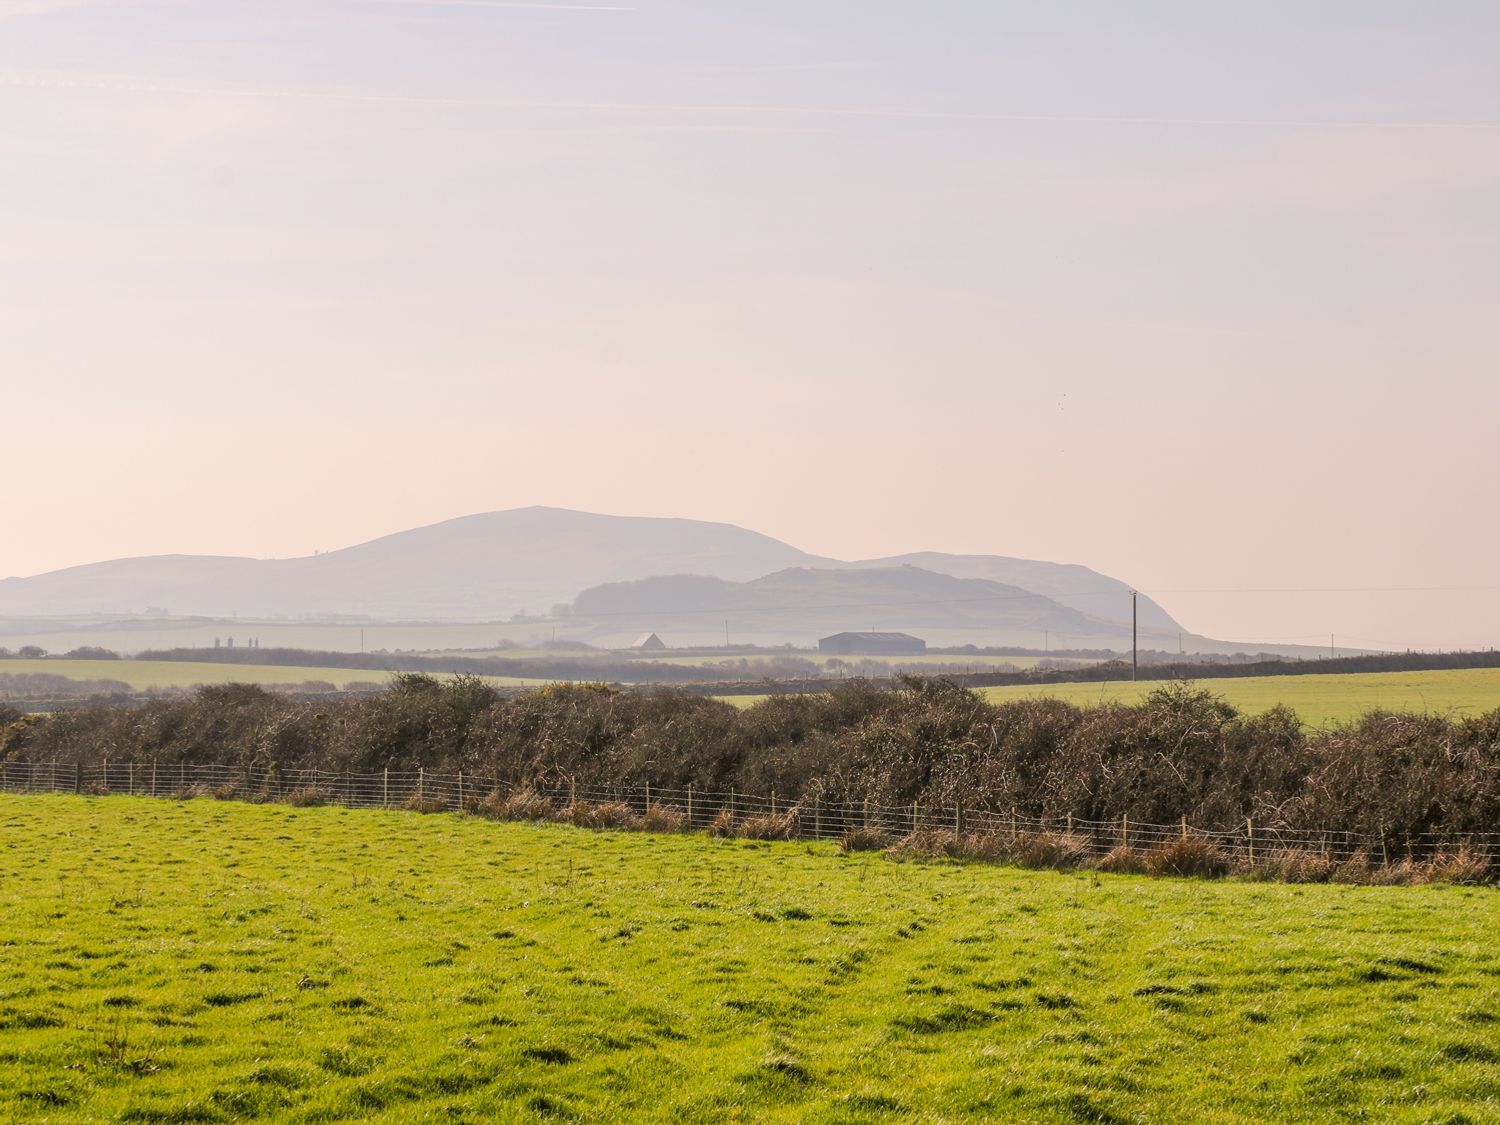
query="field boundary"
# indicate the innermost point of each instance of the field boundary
(735, 813)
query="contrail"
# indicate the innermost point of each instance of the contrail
(126, 85)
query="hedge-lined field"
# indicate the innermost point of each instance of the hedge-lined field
(1397, 780)
(211, 961)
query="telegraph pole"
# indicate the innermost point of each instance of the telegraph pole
(1135, 644)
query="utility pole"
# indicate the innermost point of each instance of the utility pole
(1135, 643)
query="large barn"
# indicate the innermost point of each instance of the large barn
(872, 644)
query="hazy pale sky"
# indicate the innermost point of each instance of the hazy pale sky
(1204, 295)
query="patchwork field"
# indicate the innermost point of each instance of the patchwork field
(200, 961)
(144, 675)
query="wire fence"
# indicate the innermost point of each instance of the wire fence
(809, 818)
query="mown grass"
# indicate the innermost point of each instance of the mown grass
(197, 961)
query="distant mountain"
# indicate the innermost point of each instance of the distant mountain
(804, 603)
(1083, 589)
(491, 566)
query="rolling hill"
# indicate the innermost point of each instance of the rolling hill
(490, 566)
(804, 603)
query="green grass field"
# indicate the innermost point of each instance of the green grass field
(197, 961)
(143, 675)
(1320, 700)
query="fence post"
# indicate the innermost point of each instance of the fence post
(460, 790)
(732, 809)
(958, 818)
(573, 792)
(690, 807)
(77, 777)
(130, 779)
(153, 777)
(1250, 839)
(421, 782)
(866, 819)
(1184, 827)
(1070, 824)
(106, 775)
(385, 788)
(1013, 832)
(648, 799)
(1125, 831)
(818, 817)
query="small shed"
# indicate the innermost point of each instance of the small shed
(650, 642)
(872, 644)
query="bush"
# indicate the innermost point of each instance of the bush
(723, 824)
(1122, 861)
(664, 819)
(1060, 850)
(1187, 855)
(769, 826)
(424, 804)
(607, 814)
(308, 797)
(523, 804)
(861, 839)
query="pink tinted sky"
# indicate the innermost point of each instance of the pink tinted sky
(1202, 296)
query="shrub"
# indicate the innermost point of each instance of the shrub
(1122, 861)
(1187, 855)
(723, 824)
(523, 804)
(1464, 865)
(861, 839)
(605, 814)
(769, 826)
(308, 797)
(424, 804)
(664, 818)
(1059, 850)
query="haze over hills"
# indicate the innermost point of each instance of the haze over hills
(491, 566)
(811, 602)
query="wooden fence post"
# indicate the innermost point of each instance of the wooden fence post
(1125, 831)
(153, 777)
(1250, 839)
(385, 788)
(648, 799)
(690, 806)
(958, 818)
(573, 792)
(77, 777)
(421, 783)
(130, 778)
(1184, 827)
(818, 817)
(460, 790)
(773, 802)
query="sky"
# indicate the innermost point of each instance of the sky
(1200, 294)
